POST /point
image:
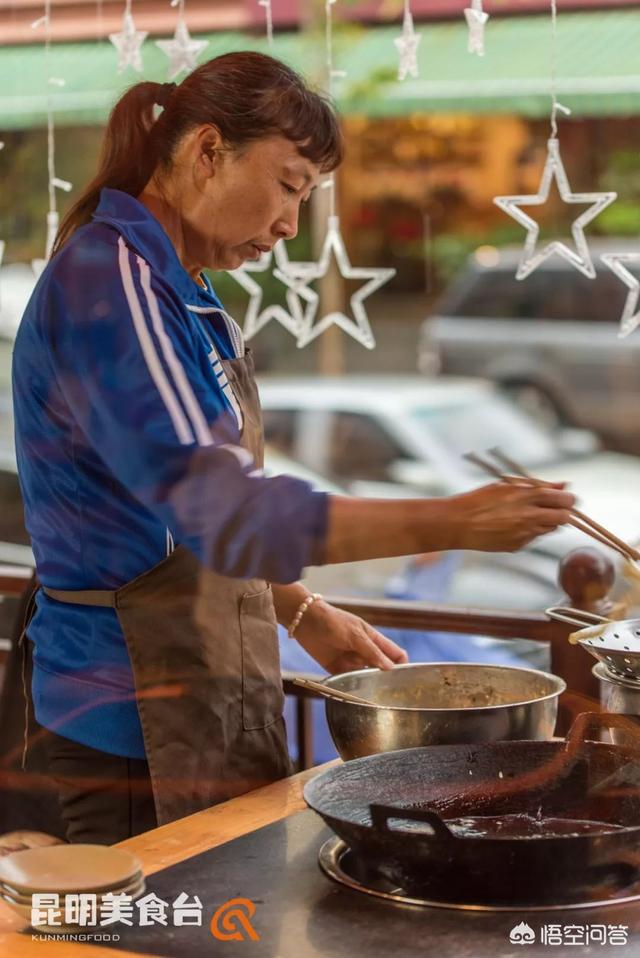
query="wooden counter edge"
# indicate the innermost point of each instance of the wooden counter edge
(169, 845)
(214, 826)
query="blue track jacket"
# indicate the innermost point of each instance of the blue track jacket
(127, 435)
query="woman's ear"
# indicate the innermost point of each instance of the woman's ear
(209, 143)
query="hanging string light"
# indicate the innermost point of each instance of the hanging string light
(554, 169)
(54, 182)
(268, 13)
(407, 45)
(183, 52)
(299, 275)
(128, 42)
(476, 20)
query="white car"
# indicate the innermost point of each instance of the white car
(386, 430)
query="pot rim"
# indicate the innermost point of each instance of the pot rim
(602, 674)
(475, 709)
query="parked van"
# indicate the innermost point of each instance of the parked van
(551, 339)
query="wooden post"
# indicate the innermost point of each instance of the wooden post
(586, 575)
(304, 731)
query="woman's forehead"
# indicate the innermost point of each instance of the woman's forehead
(287, 154)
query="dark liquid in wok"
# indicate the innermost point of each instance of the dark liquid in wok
(522, 825)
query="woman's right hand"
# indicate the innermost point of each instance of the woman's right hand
(503, 518)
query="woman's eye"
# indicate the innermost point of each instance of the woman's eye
(291, 190)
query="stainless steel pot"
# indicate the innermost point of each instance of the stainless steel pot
(621, 696)
(441, 703)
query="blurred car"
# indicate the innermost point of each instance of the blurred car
(551, 340)
(380, 430)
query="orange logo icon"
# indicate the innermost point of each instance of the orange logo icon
(232, 921)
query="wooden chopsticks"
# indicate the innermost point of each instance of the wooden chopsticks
(579, 520)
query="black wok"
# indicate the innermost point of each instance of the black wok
(374, 804)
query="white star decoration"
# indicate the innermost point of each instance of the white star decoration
(581, 257)
(299, 275)
(630, 318)
(183, 52)
(476, 19)
(407, 46)
(256, 317)
(128, 43)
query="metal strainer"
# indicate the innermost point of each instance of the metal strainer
(615, 643)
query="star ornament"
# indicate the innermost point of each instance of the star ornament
(128, 43)
(183, 52)
(301, 274)
(476, 19)
(257, 317)
(580, 257)
(630, 318)
(407, 45)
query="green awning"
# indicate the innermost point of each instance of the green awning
(598, 69)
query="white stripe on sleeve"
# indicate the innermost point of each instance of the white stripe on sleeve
(191, 404)
(180, 423)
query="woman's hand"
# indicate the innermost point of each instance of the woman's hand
(501, 518)
(342, 642)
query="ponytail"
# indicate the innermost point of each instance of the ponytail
(126, 162)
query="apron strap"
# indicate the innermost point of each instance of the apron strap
(101, 597)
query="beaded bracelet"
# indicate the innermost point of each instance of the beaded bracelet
(302, 608)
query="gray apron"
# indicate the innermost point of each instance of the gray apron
(206, 664)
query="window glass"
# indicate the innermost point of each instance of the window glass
(361, 448)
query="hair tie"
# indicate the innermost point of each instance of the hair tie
(164, 92)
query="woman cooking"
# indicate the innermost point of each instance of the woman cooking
(139, 442)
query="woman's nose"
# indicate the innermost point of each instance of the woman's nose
(287, 226)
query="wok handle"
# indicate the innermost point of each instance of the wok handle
(380, 815)
(587, 722)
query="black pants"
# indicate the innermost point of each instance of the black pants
(103, 798)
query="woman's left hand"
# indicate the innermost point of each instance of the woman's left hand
(342, 642)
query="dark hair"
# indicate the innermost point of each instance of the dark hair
(245, 95)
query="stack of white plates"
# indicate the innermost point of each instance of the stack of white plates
(67, 870)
